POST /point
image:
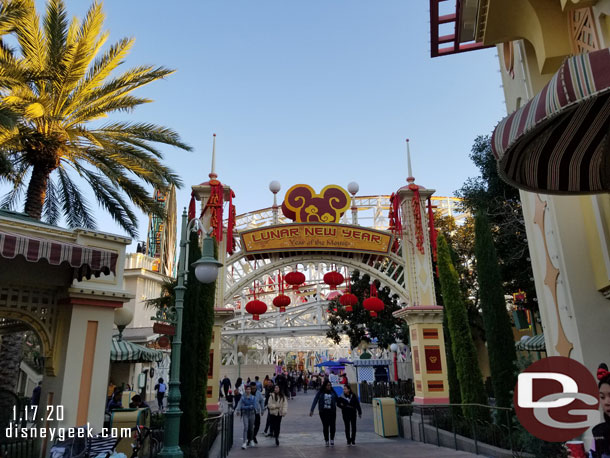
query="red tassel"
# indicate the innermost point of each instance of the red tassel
(433, 234)
(231, 225)
(192, 207)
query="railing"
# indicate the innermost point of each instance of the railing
(226, 434)
(221, 425)
(18, 448)
(402, 391)
(446, 425)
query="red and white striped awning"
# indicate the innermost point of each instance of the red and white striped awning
(86, 261)
(557, 142)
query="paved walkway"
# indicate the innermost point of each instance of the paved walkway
(301, 436)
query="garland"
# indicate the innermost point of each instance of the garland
(419, 231)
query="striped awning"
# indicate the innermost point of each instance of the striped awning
(557, 142)
(534, 343)
(128, 352)
(86, 261)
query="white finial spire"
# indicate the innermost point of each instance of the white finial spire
(410, 178)
(212, 174)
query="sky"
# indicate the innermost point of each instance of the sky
(305, 91)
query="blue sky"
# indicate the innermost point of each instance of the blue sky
(316, 92)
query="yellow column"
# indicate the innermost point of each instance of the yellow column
(428, 353)
(214, 376)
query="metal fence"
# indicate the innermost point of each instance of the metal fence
(402, 390)
(485, 424)
(217, 428)
(18, 448)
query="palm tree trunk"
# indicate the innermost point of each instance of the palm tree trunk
(11, 350)
(37, 190)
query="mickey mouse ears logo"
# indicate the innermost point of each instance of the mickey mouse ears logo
(302, 204)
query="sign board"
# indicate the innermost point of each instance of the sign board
(162, 328)
(317, 237)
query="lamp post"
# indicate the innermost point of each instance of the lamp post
(206, 271)
(394, 348)
(240, 355)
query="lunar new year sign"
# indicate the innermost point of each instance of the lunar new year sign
(307, 237)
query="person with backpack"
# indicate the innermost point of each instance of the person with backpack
(326, 400)
(161, 389)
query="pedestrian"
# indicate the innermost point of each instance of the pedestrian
(245, 408)
(259, 384)
(35, 400)
(238, 391)
(326, 400)
(259, 409)
(229, 399)
(137, 403)
(269, 389)
(161, 389)
(278, 408)
(115, 402)
(226, 384)
(601, 432)
(350, 406)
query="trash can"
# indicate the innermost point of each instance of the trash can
(384, 417)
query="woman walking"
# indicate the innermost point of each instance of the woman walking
(350, 406)
(326, 399)
(278, 408)
(238, 391)
(161, 388)
(245, 408)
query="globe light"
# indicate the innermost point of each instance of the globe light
(353, 188)
(275, 186)
(394, 347)
(206, 267)
(123, 316)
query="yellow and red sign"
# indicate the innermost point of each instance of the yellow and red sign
(317, 237)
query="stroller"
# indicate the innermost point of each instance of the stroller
(84, 447)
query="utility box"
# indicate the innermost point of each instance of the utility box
(384, 417)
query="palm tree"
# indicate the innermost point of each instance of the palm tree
(63, 85)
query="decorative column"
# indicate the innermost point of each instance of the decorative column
(221, 315)
(425, 319)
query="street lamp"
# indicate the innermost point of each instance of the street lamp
(240, 355)
(206, 271)
(394, 348)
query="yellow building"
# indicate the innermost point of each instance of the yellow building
(63, 285)
(555, 69)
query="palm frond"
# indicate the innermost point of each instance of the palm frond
(51, 211)
(75, 206)
(56, 32)
(145, 131)
(17, 177)
(30, 38)
(109, 198)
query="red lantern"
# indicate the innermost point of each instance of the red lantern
(256, 308)
(282, 301)
(348, 300)
(373, 305)
(295, 279)
(333, 279)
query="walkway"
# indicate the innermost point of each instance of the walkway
(301, 437)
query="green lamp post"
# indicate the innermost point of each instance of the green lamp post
(206, 271)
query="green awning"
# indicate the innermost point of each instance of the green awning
(128, 352)
(534, 343)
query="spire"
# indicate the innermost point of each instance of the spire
(212, 174)
(410, 178)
